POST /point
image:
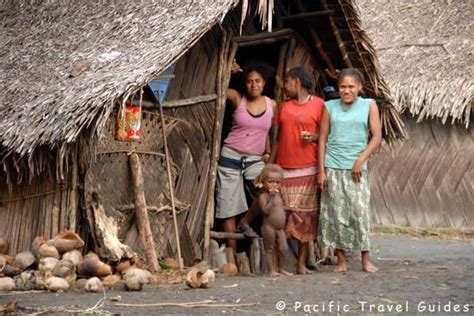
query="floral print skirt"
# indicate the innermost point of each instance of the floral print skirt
(344, 221)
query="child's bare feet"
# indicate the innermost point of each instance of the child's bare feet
(341, 268)
(285, 273)
(274, 274)
(369, 267)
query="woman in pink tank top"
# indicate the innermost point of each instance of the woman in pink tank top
(246, 148)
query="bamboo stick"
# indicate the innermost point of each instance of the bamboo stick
(139, 201)
(170, 184)
(338, 38)
(264, 41)
(178, 103)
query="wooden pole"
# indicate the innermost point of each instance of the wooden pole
(337, 36)
(139, 201)
(214, 154)
(170, 184)
(308, 15)
(225, 235)
(74, 201)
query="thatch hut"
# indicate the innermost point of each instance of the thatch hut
(425, 50)
(69, 69)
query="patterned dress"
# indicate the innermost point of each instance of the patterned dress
(344, 221)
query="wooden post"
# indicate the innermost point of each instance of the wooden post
(256, 256)
(221, 87)
(139, 201)
(229, 253)
(74, 200)
(170, 184)
(243, 263)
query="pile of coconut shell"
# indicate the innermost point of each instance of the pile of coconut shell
(58, 265)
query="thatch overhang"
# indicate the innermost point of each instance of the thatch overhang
(426, 53)
(64, 65)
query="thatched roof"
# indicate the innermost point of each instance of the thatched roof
(111, 47)
(426, 50)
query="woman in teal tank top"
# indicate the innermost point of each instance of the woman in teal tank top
(344, 222)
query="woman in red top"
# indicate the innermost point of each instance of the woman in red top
(295, 150)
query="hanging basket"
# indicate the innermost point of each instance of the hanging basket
(128, 123)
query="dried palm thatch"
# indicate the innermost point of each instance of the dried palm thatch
(52, 53)
(425, 49)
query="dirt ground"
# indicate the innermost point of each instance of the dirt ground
(427, 276)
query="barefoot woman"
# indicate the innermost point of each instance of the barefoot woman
(296, 152)
(246, 148)
(344, 222)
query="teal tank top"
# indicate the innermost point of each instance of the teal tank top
(348, 134)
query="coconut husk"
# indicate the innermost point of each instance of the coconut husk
(37, 242)
(6, 284)
(134, 283)
(74, 255)
(3, 246)
(24, 260)
(25, 281)
(93, 285)
(123, 265)
(8, 259)
(47, 251)
(56, 284)
(110, 280)
(229, 269)
(64, 268)
(10, 270)
(92, 266)
(47, 264)
(198, 277)
(79, 285)
(66, 241)
(144, 275)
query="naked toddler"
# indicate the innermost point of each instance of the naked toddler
(273, 228)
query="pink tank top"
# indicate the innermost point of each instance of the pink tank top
(248, 133)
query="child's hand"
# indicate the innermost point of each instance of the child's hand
(308, 138)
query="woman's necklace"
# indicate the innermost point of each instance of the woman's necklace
(309, 97)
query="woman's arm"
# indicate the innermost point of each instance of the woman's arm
(274, 146)
(376, 131)
(323, 137)
(271, 137)
(234, 97)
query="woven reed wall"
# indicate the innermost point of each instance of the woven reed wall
(429, 182)
(39, 208)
